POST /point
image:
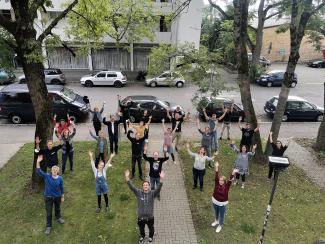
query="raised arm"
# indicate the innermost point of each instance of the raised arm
(129, 135)
(239, 122)
(93, 135)
(92, 163)
(223, 115)
(205, 114)
(234, 148)
(37, 142)
(270, 137)
(232, 175)
(252, 153)
(38, 166)
(73, 130)
(167, 113)
(109, 161)
(149, 121)
(130, 184)
(232, 105)
(257, 127)
(163, 125)
(158, 189)
(189, 150)
(176, 126)
(102, 110)
(187, 116)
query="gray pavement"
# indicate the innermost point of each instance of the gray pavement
(7, 150)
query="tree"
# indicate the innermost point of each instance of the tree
(301, 11)
(198, 66)
(21, 35)
(125, 21)
(320, 141)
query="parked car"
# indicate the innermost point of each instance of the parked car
(104, 78)
(316, 63)
(16, 104)
(263, 60)
(275, 78)
(296, 108)
(52, 77)
(155, 107)
(215, 106)
(6, 77)
(167, 78)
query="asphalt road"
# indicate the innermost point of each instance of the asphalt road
(310, 87)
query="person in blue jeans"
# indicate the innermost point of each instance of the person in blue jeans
(101, 183)
(53, 193)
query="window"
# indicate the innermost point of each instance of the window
(294, 105)
(57, 99)
(148, 105)
(274, 101)
(101, 75)
(23, 98)
(10, 97)
(162, 24)
(111, 75)
(306, 106)
(165, 75)
(68, 94)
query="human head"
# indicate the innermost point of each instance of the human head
(222, 180)
(177, 116)
(155, 155)
(248, 125)
(66, 132)
(145, 112)
(55, 170)
(101, 134)
(49, 144)
(169, 130)
(278, 144)
(141, 123)
(178, 108)
(206, 130)
(96, 109)
(202, 151)
(100, 165)
(62, 122)
(112, 118)
(137, 136)
(214, 116)
(146, 186)
(243, 149)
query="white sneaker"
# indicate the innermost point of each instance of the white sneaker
(215, 223)
(235, 182)
(242, 186)
(218, 228)
(175, 162)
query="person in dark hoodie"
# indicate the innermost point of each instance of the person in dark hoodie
(97, 118)
(145, 197)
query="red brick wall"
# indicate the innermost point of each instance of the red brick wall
(281, 41)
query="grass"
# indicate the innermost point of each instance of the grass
(298, 209)
(23, 215)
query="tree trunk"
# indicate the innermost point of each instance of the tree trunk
(320, 142)
(240, 30)
(259, 35)
(297, 32)
(42, 102)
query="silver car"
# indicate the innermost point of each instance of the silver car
(52, 77)
(166, 79)
(104, 78)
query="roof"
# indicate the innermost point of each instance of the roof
(23, 88)
(294, 98)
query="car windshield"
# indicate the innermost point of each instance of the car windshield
(68, 94)
(274, 101)
(164, 104)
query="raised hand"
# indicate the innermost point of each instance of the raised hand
(39, 158)
(254, 146)
(112, 155)
(90, 153)
(162, 175)
(163, 121)
(235, 171)
(37, 140)
(240, 119)
(216, 164)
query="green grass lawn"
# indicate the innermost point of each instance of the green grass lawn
(298, 210)
(22, 216)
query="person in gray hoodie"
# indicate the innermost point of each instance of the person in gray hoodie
(242, 161)
(97, 118)
(206, 140)
(145, 197)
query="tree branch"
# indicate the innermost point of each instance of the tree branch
(220, 10)
(272, 15)
(62, 15)
(318, 8)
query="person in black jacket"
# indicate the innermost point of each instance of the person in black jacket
(137, 143)
(50, 152)
(124, 110)
(113, 131)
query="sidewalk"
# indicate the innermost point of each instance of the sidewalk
(7, 151)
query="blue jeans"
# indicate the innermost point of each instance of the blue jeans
(220, 212)
(154, 182)
(214, 141)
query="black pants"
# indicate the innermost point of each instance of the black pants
(99, 157)
(124, 119)
(113, 141)
(136, 159)
(197, 173)
(97, 126)
(49, 202)
(65, 156)
(271, 170)
(243, 177)
(142, 222)
(99, 200)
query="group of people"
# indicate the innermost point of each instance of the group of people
(138, 135)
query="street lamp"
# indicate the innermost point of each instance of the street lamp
(279, 165)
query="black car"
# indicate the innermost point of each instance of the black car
(316, 63)
(155, 107)
(16, 104)
(215, 106)
(275, 78)
(297, 108)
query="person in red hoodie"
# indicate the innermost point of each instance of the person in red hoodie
(62, 125)
(220, 197)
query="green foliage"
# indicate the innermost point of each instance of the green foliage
(256, 71)
(125, 21)
(25, 210)
(7, 52)
(298, 210)
(160, 59)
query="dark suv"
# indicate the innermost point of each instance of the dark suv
(215, 106)
(275, 78)
(52, 77)
(16, 104)
(297, 108)
(155, 107)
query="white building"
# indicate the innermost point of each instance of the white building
(186, 27)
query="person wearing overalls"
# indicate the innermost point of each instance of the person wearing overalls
(101, 183)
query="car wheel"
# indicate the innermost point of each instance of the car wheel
(89, 83)
(118, 84)
(293, 84)
(22, 81)
(55, 82)
(73, 118)
(319, 118)
(132, 119)
(319, 65)
(179, 84)
(269, 84)
(16, 119)
(153, 84)
(285, 118)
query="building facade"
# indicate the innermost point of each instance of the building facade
(186, 27)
